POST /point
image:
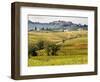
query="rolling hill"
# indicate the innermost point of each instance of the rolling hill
(55, 26)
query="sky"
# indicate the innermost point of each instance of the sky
(47, 19)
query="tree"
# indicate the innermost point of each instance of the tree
(52, 49)
(35, 28)
(62, 29)
(32, 51)
(47, 29)
(85, 25)
(42, 28)
(63, 40)
(40, 45)
(48, 50)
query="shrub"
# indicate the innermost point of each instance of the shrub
(63, 40)
(40, 45)
(52, 49)
(49, 47)
(32, 51)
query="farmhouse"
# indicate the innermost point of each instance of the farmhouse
(80, 29)
(66, 30)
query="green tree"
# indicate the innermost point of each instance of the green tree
(52, 49)
(32, 51)
(35, 28)
(40, 45)
(42, 28)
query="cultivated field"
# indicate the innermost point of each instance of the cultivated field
(72, 48)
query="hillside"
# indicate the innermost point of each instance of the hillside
(55, 26)
(73, 48)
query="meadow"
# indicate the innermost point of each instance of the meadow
(72, 48)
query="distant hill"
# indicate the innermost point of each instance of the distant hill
(55, 26)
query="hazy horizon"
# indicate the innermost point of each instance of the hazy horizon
(47, 19)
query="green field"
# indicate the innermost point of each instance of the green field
(73, 48)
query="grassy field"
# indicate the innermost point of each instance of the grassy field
(73, 48)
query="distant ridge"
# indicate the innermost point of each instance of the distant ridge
(56, 26)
